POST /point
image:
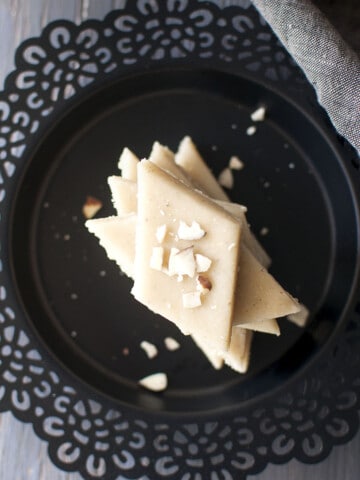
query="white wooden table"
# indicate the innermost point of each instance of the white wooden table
(22, 455)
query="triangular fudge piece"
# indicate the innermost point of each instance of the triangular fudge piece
(116, 235)
(164, 158)
(240, 342)
(266, 326)
(248, 237)
(262, 298)
(192, 221)
(191, 161)
(123, 194)
(128, 164)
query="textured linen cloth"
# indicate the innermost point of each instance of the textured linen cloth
(327, 60)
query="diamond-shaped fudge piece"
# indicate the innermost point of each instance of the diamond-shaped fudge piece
(163, 200)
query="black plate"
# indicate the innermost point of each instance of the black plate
(298, 182)
(81, 306)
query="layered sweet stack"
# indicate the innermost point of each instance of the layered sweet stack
(191, 253)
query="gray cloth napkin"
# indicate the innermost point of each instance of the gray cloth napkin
(328, 62)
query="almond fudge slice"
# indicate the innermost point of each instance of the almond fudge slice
(110, 229)
(191, 161)
(128, 164)
(192, 222)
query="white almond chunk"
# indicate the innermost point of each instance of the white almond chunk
(258, 115)
(191, 299)
(192, 232)
(91, 207)
(235, 163)
(202, 263)
(149, 348)
(161, 233)
(157, 258)
(172, 262)
(226, 178)
(184, 262)
(251, 130)
(203, 284)
(155, 382)
(171, 344)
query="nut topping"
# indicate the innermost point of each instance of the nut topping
(192, 232)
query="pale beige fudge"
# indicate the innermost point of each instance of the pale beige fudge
(128, 164)
(163, 200)
(164, 158)
(191, 161)
(300, 318)
(116, 235)
(240, 342)
(108, 230)
(248, 237)
(268, 326)
(123, 194)
(262, 298)
(124, 199)
(238, 354)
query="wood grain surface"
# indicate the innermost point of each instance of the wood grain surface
(22, 455)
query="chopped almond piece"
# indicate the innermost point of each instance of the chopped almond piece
(171, 344)
(235, 163)
(192, 232)
(149, 348)
(202, 263)
(203, 284)
(161, 233)
(184, 262)
(155, 382)
(91, 206)
(258, 115)
(226, 178)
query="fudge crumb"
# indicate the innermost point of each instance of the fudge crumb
(264, 231)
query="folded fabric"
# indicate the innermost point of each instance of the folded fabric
(328, 62)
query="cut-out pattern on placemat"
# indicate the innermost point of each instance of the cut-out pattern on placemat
(86, 433)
